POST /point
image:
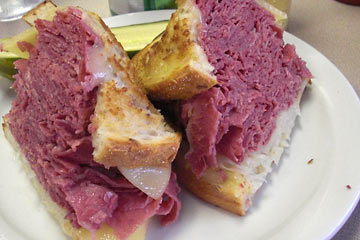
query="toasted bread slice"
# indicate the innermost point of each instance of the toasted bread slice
(45, 10)
(226, 189)
(130, 132)
(105, 232)
(174, 66)
(232, 186)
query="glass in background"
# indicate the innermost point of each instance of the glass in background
(15, 9)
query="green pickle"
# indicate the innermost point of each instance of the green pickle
(135, 37)
(158, 4)
(7, 69)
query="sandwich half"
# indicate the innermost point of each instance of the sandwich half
(100, 151)
(238, 128)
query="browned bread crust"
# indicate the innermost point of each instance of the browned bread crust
(174, 66)
(153, 146)
(44, 10)
(227, 190)
(129, 131)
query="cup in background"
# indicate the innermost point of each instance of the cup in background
(14, 9)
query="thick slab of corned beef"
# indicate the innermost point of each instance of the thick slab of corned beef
(50, 120)
(258, 77)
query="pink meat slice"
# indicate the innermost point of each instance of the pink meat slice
(132, 212)
(258, 77)
(93, 204)
(51, 118)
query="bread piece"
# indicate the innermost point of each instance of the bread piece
(223, 188)
(45, 10)
(174, 66)
(130, 132)
(232, 186)
(105, 232)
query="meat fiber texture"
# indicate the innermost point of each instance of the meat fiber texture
(258, 77)
(51, 118)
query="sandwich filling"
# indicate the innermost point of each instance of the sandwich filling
(51, 119)
(258, 78)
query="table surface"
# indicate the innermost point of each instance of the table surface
(331, 27)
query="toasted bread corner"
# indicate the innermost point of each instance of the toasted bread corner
(230, 192)
(45, 10)
(174, 66)
(138, 137)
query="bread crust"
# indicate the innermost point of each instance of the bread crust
(134, 155)
(127, 112)
(189, 82)
(230, 192)
(127, 149)
(174, 66)
(45, 10)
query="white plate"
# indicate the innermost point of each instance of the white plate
(300, 200)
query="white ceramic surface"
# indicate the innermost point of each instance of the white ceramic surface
(138, 18)
(299, 201)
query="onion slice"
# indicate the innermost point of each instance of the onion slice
(150, 180)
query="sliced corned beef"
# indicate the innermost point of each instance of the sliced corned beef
(50, 120)
(258, 77)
